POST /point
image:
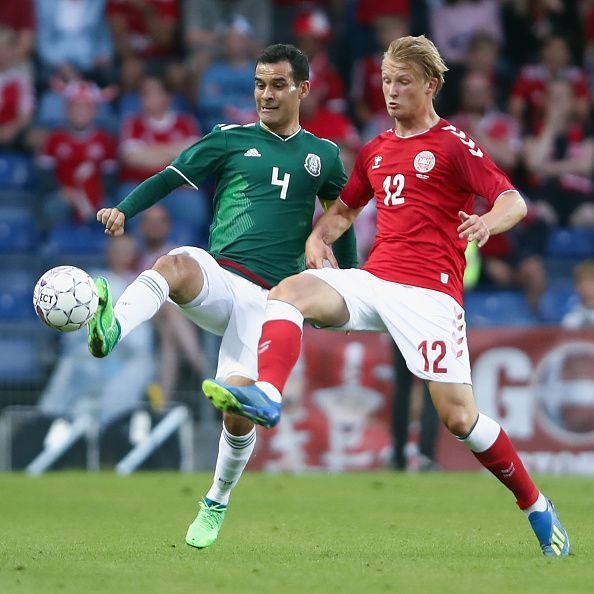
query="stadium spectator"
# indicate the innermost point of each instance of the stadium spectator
(149, 141)
(144, 28)
(226, 91)
(203, 20)
(77, 159)
(313, 33)
(582, 316)
(74, 32)
(108, 389)
(16, 93)
(560, 157)
(366, 84)
(528, 95)
(528, 23)
(20, 16)
(177, 336)
(454, 23)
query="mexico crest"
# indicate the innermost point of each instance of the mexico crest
(313, 164)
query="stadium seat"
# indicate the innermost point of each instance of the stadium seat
(16, 293)
(16, 171)
(558, 300)
(18, 230)
(571, 243)
(497, 308)
(75, 238)
(22, 348)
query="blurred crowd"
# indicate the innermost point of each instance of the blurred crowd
(97, 95)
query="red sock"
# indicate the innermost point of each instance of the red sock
(278, 351)
(503, 461)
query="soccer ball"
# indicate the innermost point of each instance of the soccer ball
(65, 298)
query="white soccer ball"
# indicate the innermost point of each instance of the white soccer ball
(65, 298)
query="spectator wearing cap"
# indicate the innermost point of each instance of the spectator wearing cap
(74, 32)
(16, 93)
(76, 159)
(226, 93)
(149, 141)
(312, 33)
(20, 17)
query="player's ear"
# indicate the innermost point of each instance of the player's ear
(304, 89)
(431, 86)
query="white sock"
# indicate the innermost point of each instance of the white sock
(483, 435)
(234, 453)
(539, 505)
(141, 300)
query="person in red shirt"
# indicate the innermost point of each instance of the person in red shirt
(77, 157)
(527, 103)
(143, 28)
(20, 16)
(16, 93)
(149, 141)
(423, 175)
(312, 34)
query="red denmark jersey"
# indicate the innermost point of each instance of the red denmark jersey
(420, 183)
(138, 130)
(79, 160)
(16, 95)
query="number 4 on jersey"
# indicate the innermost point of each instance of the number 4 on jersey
(283, 183)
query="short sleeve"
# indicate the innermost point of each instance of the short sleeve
(334, 181)
(358, 191)
(477, 173)
(203, 158)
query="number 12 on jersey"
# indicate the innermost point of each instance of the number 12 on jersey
(283, 183)
(393, 198)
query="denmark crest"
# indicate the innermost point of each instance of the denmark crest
(424, 161)
(313, 164)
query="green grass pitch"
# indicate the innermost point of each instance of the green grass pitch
(364, 533)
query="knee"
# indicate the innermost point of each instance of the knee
(181, 274)
(288, 291)
(459, 420)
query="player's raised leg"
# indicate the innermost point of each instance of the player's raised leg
(176, 276)
(237, 442)
(493, 448)
(296, 298)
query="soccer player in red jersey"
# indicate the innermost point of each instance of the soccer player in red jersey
(423, 174)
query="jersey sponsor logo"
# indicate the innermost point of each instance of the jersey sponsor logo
(376, 161)
(424, 161)
(313, 164)
(253, 152)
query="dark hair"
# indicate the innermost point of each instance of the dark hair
(282, 52)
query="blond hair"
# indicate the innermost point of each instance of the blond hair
(421, 52)
(584, 270)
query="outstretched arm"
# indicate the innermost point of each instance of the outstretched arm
(508, 210)
(149, 192)
(332, 225)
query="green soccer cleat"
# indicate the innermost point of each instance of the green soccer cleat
(204, 530)
(104, 329)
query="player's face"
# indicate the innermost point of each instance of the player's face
(406, 91)
(277, 95)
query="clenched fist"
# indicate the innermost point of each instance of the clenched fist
(113, 219)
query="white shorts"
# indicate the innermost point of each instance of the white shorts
(229, 306)
(427, 326)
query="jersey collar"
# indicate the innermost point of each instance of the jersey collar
(265, 129)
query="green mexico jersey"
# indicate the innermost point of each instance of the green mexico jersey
(265, 195)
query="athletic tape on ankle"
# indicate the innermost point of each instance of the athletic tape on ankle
(281, 310)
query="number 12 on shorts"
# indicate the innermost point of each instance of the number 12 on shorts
(438, 352)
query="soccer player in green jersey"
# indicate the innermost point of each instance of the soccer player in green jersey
(269, 174)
